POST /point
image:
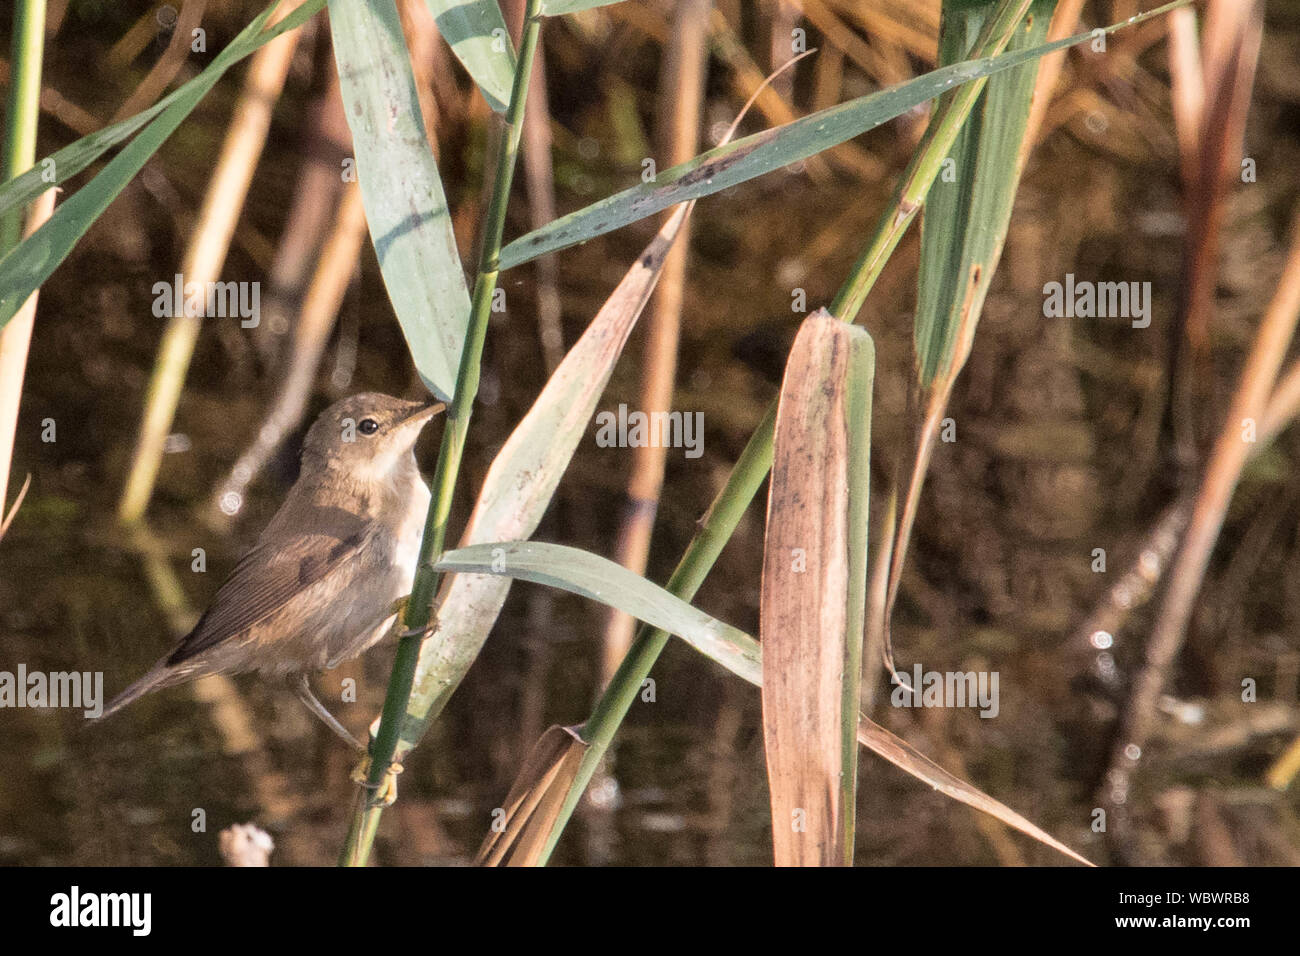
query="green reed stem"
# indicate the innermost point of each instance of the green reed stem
(755, 461)
(926, 162)
(419, 609)
(23, 108)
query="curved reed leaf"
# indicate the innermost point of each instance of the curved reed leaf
(518, 487)
(477, 34)
(534, 803)
(592, 576)
(555, 8)
(752, 156)
(406, 209)
(600, 579)
(25, 268)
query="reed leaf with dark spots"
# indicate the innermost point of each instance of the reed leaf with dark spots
(751, 156)
(814, 590)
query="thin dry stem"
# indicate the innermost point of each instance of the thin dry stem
(681, 108)
(173, 58)
(320, 309)
(205, 256)
(15, 340)
(1240, 435)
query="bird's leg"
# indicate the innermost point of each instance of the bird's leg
(317, 708)
(386, 791)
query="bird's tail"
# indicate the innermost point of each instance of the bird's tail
(160, 676)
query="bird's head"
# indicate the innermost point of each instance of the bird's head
(366, 436)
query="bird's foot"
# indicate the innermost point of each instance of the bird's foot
(385, 791)
(398, 608)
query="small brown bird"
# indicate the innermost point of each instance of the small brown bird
(328, 575)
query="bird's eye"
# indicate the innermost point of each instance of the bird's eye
(368, 426)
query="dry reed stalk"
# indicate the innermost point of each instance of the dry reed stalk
(747, 79)
(912, 25)
(1065, 21)
(422, 40)
(15, 341)
(783, 18)
(132, 43)
(205, 256)
(1211, 101)
(539, 181)
(1232, 450)
(1187, 88)
(1229, 53)
(839, 35)
(539, 177)
(320, 309)
(828, 78)
(681, 108)
(327, 144)
(173, 58)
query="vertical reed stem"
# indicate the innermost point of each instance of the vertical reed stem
(419, 609)
(204, 257)
(23, 107)
(19, 154)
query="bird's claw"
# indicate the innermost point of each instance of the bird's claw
(399, 610)
(384, 792)
(418, 631)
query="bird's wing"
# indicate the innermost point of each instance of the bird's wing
(269, 576)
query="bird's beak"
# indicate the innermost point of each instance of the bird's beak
(423, 413)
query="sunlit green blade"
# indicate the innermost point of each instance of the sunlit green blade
(752, 156)
(600, 579)
(478, 36)
(554, 8)
(24, 269)
(966, 214)
(406, 209)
